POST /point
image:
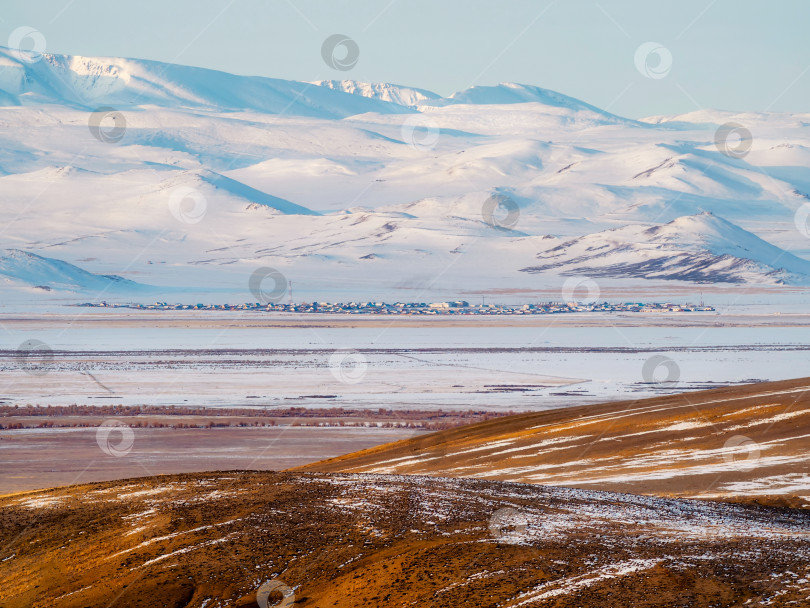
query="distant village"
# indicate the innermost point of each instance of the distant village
(459, 307)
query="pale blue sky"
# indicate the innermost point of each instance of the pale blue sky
(729, 54)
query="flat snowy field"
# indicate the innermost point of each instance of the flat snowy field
(223, 362)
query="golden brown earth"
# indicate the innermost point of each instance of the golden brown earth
(733, 443)
(332, 538)
(336, 540)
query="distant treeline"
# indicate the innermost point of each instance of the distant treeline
(239, 417)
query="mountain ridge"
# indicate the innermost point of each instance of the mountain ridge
(53, 274)
(89, 82)
(479, 183)
(704, 247)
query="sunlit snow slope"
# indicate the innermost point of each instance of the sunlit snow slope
(192, 179)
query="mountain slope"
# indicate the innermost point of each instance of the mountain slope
(511, 93)
(508, 93)
(215, 540)
(740, 443)
(252, 195)
(702, 248)
(90, 82)
(26, 268)
(392, 93)
(376, 190)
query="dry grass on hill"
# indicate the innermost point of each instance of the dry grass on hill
(731, 443)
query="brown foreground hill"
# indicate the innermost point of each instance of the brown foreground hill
(343, 541)
(353, 534)
(749, 442)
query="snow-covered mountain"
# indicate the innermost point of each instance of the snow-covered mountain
(503, 94)
(191, 179)
(511, 93)
(701, 248)
(89, 82)
(403, 96)
(47, 274)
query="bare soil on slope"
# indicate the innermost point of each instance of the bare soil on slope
(342, 540)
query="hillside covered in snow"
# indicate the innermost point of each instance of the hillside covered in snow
(48, 274)
(702, 248)
(191, 179)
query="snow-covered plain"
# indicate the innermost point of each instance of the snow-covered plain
(397, 367)
(196, 178)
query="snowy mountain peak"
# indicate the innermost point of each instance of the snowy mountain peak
(511, 93)
(701, 223)
(503, 94)
(218, 174)
(702, 248)
(400, 95)
(89, 82)
(708, 229)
